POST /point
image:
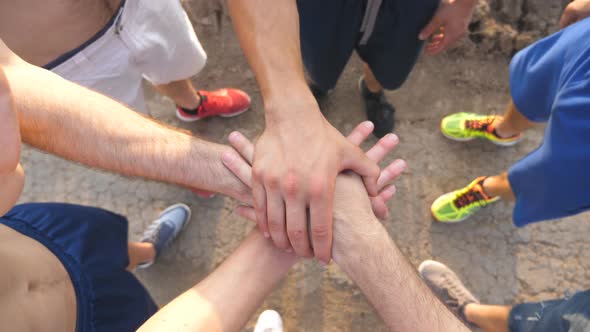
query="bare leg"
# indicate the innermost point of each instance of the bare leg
(182, 92)
(490, 318)
(140, 252)
(499, 185)
(372, 84)
(512, 123)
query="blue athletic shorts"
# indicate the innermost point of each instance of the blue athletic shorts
(563, 315)
(92, 245)
(550, 82)
(330, 32)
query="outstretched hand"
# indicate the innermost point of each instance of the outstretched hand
(386, 190)
(449, 24)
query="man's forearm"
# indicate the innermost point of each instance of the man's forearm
(228, 297)
(78, 124)
(391, 284)
(269, 34)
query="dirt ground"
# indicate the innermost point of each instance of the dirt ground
(500, 263)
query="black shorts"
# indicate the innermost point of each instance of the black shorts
(330, 31)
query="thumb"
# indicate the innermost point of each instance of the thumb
(355, 160)
(429, 29)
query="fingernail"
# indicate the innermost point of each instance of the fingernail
(421, 37)
(400, 164)
(392, 189)
(227, 157)
(392, 137)
(266, 235)
(233, 136)
(368, 124)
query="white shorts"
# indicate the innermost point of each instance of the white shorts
(151, 39)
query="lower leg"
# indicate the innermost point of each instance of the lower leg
(490, 318)
(182, 92)
(370, 80)
(512, 123)
(499, 185)
(140, 252)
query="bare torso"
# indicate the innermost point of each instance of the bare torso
(39, 31)
(36, 292)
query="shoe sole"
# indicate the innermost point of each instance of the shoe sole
(427, 262)
(457, 139)
(193, 119)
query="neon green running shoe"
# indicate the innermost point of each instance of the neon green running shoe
(461, 204)
(467, 126)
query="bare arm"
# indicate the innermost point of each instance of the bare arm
(228, 297)
(78, 124)
(11, 173)
(364, 250)
(299, 154)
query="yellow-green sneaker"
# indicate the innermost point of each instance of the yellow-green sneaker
(467, 126)
(461, 204)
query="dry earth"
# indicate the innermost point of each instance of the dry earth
(500, 263)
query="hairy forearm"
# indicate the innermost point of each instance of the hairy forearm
(391, 284)
(228, 297)
(268, 31)
(81, 125)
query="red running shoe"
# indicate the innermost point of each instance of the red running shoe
(223, 102)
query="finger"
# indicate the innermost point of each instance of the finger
(355, 160)
(379, 203)
(320, 208)
(243, 145)
(246, 212)
(297, 227)
(259, 195)
(439, 47)
(390, 173)
(361, 132)
(276, 218)
(379, 208)
(382, 148)
(429, 29)
(237, 165)
(387, 193)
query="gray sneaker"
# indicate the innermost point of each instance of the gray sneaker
(164, 230)
(447, 286)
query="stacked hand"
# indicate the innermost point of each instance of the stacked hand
(348, 200)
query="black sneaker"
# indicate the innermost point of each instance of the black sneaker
(379, 110)
(448, 287)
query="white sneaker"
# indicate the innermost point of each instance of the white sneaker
(269, 321)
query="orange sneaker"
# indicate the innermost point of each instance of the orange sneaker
(224, 102)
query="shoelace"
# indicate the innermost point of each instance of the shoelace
(479, 125)
(472, 196)
(454, 292)
(152, 233)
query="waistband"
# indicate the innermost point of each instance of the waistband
(113, 21)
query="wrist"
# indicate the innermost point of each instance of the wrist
(357, 238)
(293, 103)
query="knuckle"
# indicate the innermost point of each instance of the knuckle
(320, 232)
(297, 234)
(257, 172)
(272, 181)
(317, 188)
(290, 184)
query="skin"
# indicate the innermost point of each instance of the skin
(285, 185)
(364, 250)
(448, 25)
(110, 136)
(575, 11)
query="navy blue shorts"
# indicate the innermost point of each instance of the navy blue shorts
(330, 31)
(92, 245)
(550, 82)
(563, 315)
